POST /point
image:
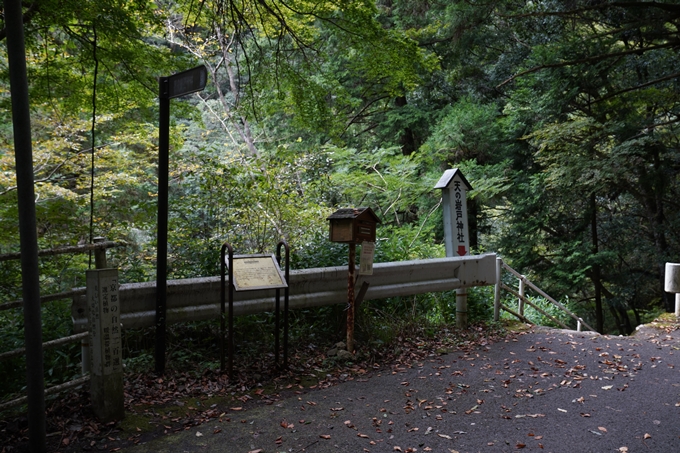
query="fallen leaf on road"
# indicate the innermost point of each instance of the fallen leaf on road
(561, 410)
(647, 436)
(199, 434)
(235, 408)
(623, 449)
(607, 387)
(363, 436)
(445, 436)
(325, 436)
(396, 448)
(602, 428)
(259, 450)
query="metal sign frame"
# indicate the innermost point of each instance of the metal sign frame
(227, 294)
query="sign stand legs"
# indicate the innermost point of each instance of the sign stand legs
(263, 281)
(350, 298)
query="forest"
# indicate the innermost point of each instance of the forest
(563, 116)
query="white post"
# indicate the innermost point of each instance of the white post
(497, 293)
(672, 283)
(456, 239)
(521, 296)
(578, 325)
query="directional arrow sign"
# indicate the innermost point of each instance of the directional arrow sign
(454, 199)
(187, 82)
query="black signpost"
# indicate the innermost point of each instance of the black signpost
(174, 86)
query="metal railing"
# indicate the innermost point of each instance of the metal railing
(99, 248)
(522, 300)
(198, 299)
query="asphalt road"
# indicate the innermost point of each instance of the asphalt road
(540, 390)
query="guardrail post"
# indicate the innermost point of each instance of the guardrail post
(461, 308)
(497, 293)
(520, 305)
(106, 362)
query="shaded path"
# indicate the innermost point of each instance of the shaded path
(542, 390)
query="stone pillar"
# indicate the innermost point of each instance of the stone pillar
(106, 357)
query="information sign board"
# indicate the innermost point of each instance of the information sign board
(253, 272)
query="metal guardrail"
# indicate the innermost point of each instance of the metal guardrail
(522, 299)
(199, 299)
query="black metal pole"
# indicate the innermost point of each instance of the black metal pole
(162, 242)
(223, 295)
(231, 314)
(277, 316)
(30, 276)
(286, 293)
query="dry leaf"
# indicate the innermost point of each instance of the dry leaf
(607, 387)
(235, 408)
(396, 448)
(199, 434)
(445, 436)
(259, 450)
(602, 428)
(647, 436)
(363, 436)
(325, 436)
(623, 449)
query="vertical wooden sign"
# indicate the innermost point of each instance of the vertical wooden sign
(106, 357)
(454, 200)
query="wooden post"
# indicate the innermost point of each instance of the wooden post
(106, 358)
(457, 243)
(350, 298)
(497, 292)
(522, 291)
